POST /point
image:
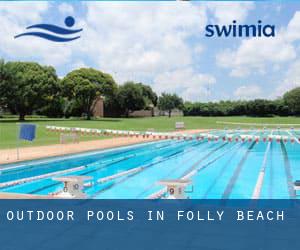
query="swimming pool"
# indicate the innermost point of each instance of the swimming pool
(218, 169)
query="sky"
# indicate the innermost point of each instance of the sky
(163, 44)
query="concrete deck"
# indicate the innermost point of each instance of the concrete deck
(15, 196)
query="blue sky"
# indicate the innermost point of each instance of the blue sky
(163, 44)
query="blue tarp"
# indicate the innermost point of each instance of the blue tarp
(27, 132)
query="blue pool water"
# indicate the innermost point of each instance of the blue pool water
(222, 169)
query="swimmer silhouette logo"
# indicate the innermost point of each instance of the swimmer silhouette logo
(57, 33)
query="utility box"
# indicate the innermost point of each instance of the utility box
(179, 125)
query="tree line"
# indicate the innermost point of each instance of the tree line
(289, 104)
(30, 88)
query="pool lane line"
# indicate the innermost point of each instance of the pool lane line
(188, 174)
(270, 189)
(118, 175)
(288, 173)
(94, 170)
(144, 167)
(107, 164)
(295, 138)
(26, 167)
(53, 159)
(39, 177)
(260, 179)
(194, 166)
(258, 124)
(45, 187)
(58, 183)
(196, 169)
(228, 150)
(127, 158)
(222, 171)
(162, 192)
(237, 172)
(154, 184)
(220, 156)
(192, 172)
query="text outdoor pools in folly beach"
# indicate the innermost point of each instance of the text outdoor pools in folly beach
(149, 215)
(147, 224)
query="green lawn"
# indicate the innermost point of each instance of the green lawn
(8, 127)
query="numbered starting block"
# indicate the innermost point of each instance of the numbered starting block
(73, 186)
(297, 187)
(176, 188)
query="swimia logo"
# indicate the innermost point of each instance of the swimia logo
(57, 33)
(238, 30)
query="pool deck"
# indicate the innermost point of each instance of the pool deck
(31, 153)
(24, 196)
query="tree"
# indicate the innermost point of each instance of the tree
(167, 102)
(149, 95)
(131, 98)
(84, 85)
(281, 107)
(26, 86)
(260, 107)
(3, 83)
(292, 100)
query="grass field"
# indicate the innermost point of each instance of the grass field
(9, 127)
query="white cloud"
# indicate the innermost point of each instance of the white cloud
(23, 11)
(292, 76)
(65, 8)
(255, 54)
(226, 12)
(291, 80)
(141, 38)
(247, 92)
(198, 49)
(188, 84)
(293, 28)
(79, 64)
(75, 65)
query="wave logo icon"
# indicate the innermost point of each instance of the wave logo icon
(59, 34)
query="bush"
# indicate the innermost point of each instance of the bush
(258, 107)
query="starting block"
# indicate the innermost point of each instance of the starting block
(73, 186)
(296, 186)
(176, 188)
